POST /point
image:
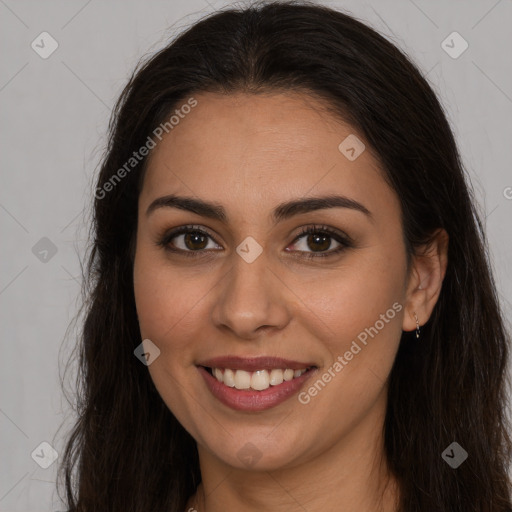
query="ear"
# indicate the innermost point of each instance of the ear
(428, 268)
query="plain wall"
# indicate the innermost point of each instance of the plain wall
(53, 126)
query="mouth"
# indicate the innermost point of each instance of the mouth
(254, 384)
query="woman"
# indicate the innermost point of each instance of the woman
(290, 302)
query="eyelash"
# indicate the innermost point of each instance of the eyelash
(344, 241)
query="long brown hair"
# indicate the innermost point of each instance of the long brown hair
(126, 451)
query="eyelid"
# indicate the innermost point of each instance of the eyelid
(321, 228)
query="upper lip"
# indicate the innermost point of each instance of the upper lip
(251, 364)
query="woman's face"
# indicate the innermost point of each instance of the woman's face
(247, 292)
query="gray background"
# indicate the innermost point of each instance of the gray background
(54, 118)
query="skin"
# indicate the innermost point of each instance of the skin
(250, 153)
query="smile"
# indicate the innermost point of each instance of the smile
(254, 384)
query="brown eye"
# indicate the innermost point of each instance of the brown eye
(319, 242)
(195, 241)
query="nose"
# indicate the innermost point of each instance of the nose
(250, 300)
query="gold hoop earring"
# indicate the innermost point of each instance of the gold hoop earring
(417, 325)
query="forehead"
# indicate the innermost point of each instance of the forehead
(259, 149)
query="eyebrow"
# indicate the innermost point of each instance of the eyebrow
(282, 212)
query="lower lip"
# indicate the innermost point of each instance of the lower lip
(249, 399)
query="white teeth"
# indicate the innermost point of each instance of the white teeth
(276, 377)
(258, 380)
(229, 378)
(242, 379)
(288, 374)
(217, 373)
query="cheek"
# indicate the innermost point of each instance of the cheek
(359, 317)
(355, 297)
(159, 300)
(166, 309)
(170, 302)
(362, 327)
